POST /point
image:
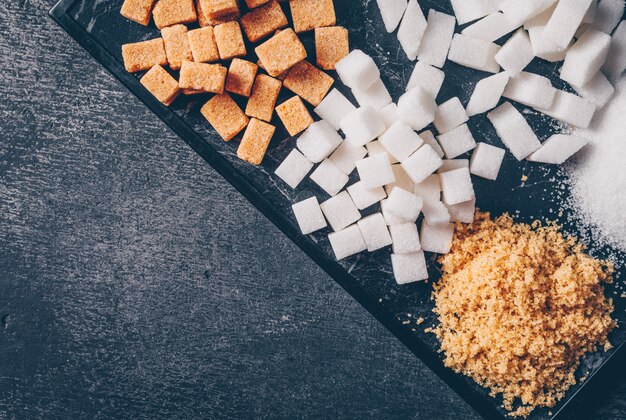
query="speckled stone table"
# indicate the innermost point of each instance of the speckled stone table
(136, 283)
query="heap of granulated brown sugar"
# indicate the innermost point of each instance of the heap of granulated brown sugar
(518, 306)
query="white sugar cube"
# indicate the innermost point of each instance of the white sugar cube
(516, 53)
(294, 168)
(565, 20)
(365, 197)
(318, 141)
(389, 114)
(435, 213)
(463, 212)
(429, 139)
(469, 10)
(531, 90)
(428, 77)
(437, 238)
(404, 204)
(490, 28)
(412, 29)
(429, 189)
(598, 91)
(409, 268)
(400, 141)
(571, 109)
(456, 142)
(390, 218)
(616, 60)
(514, 130)
(374, 231)
(417, 108)
(357, 70)
(309, 215)
(347, 242)
(449, 115)
(391, 12)
(362, 126)
(590, 16)
(346, 156)
(375, 171)
(585, 57)
(543, 47)
(486, 161)
(422, 163)
(452, 164)
(376, 96)
(340, 211)
(558, 148)
(456, 186)
(520, 11)
(474, 53)
(608, 15)
(405, 238)
(333, 108)
(402, 180)
(541, 19)
(329, 177)
(436, 40)
(376, 148)
(487, 93)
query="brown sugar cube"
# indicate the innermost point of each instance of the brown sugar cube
(144, 55)
(294, 115)
(170, 12)
(176, 45)
(311, 14)
(256, 3)
(204, 20)
(202, 77)
(331, 45)
(263, 97)
(229, 40)
(138, 11)
(241, 77)
(281, 52)
(225, 116)
(255, 141)
(203, 46)
(261, 22)
(161, 84)
(218, 8)
(308, 82)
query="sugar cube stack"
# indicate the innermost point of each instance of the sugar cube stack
(364, 197)
(412, 29)
(391, 12)
(294, 168)
(357, 70)
(405, 238)
(531, 90)
(514, 131)
(422, 163)
(456, 186)
(417, 108)
(450, 115)
(565, 20)
(469, 10)
(487, 94)
(347, 242)
(362, 126)
(427, 77)
(490, 28)
(436, 41)
(401, 141)
(616, 60)
(486, 161)
(608, 14)
(520, 11)
(318, 141)
(474, 53)
(346, 156)
(409, 268)
(340, 211)
(376, 96)
(309, 215)
(598, 90)
(375, 171)
(437, 238)
(571, 109)
(404, 204)
(456, 142)
(516, 53)
(333, 108)
(329, 177)
(375, 232)
(585, 57)
(558, 148)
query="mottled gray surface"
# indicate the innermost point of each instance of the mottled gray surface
(135, 282)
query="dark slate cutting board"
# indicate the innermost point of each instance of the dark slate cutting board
(526, 190)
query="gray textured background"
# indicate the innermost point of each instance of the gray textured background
(135, 282)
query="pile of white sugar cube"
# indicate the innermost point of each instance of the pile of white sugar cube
(406, 174)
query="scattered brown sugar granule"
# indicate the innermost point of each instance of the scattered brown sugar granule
(331, 45)
(311, 14)
(263, 97)
(308, 82)
(241, 77)
(281, 52)
(256, 3)
(255, 141)
(139, 11)
(518, 307)
(225, 116)
(229, 40)
(161, 84)
(144, 55)
(294, 115)
(201, 77)
(170, 12)
(218, 8)
(177, 46)
(203, 46)
(261, 22)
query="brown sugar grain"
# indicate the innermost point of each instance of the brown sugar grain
(176, 45)
(170, 12)
(518, 307)
(225, 116)
(144, 55)
(311, 14)
(229, 40)
(256, 3)
(281, 52)
(241, 76)
(203, 46)
(255, 141)
(218, 8)
(161, 84)
(331, 45)
(201, 77)
(294, 115)
(261, 22)
(139, 11)
(308, 82)
(263, 97)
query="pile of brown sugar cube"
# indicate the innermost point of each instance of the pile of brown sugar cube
(212, 59)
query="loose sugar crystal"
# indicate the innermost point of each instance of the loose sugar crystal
(362, 126)
(558, 148)
(347, 242)
(404, 204)
(309, 215)
(318, 141)
(571, 109)
(449, 115)
(428, 77)
(514, 131)
(357, 70)
(520, 11)
(487, 93)
(376, 96)
(375, 232)
(402, 180)
(376, 148)
(412, 29)
(565, 20)
(543, 47)
(598, 91)
(364, 197)
(375, 171)
(516, 53)
(422, 163)
(390, 218)
(429, 139)
(608, 14)
(470, 10)
(329, 177)
(346, 156)
(435, 43)
(340, 211)
(401, 141)
(463, 212)
(486, 161)
(474, 53)
(490, 28)
(456, 142)
(389, 114)
(585, 57)
(406, 238)
(437, 238)
(294, 168)
(616, 60)
(391, 12)
(417, 108)
(452, 164)
(456, 186)
(333, 108)
(531, 90)
(409, 268)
